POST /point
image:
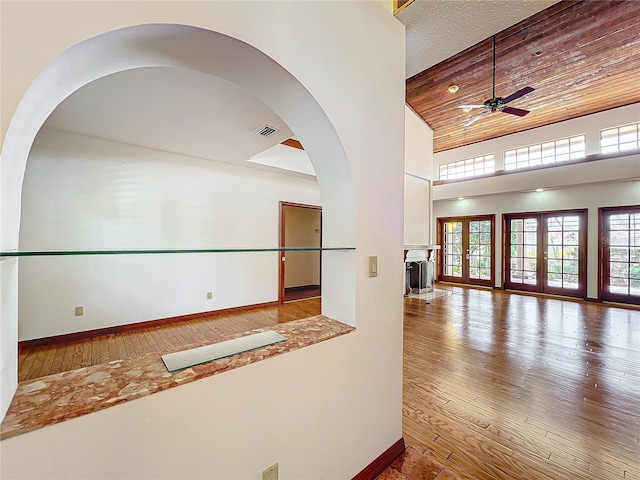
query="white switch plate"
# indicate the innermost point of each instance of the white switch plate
(373, 266)
(270, 473)
(209, 295)
(79, 311)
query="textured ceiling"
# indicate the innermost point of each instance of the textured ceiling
(581, 57)
(438, 29)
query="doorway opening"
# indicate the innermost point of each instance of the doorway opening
(546, 252)
(300, 271)
(619, 252)
(467, 254)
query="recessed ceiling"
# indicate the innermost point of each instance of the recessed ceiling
(581, 57)
(286, 158)
(173, 110)
(438, 29)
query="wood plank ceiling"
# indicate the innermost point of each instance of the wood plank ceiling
(582, 57)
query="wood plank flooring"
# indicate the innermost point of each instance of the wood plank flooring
(496, 385)
(300, 293)
(507, 386)
(36, 362)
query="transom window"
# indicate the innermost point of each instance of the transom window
(562, 150)
(619, 139)
(467, 168)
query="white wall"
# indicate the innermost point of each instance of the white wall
(417, 210)
(418, 167)
(418, 146)
(346, 391)
(302, 229)
(82, 193)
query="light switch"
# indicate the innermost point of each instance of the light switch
(373, 266)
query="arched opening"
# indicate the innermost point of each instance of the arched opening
(210, 53)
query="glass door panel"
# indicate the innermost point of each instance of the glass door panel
(523, 251)
(620, 254)
(467, 249)
(480, 257)
(563, 253)
(452, 249)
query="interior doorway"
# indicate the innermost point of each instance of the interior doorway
(300, 271)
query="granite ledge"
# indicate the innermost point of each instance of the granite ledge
(62, 396)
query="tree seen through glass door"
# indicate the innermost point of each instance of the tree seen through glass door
(620, 254)
(467, 249)
(546, 252)
(480, 249)
(452, 264)
(562, 251)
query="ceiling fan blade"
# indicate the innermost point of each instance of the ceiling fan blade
(515, 111)
(471, 106)
(518, 94)
(476, 118)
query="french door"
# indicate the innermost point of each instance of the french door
(546, 252)
(620, 254)
(467, 249)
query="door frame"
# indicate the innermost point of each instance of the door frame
(603, 249)
(541, 271)
(465, 243)
(282, 243)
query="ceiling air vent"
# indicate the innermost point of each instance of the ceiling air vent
(266, 130)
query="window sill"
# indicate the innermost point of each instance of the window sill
(56, 398)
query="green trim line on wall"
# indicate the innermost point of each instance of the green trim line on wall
(54, 253)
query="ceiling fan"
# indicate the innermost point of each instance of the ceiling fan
(498, 104)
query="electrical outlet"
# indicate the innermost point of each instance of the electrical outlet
(270, 473)
(209, 295)
(79, 311)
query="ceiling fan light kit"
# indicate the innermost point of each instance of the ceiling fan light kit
(497, 104)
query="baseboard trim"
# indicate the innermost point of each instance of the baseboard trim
(76, 336)
(385, 459)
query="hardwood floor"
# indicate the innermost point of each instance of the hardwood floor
(44, 360)
(496, 385)
(300, 293)
(508, 386)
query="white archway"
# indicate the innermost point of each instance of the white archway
(178, 46)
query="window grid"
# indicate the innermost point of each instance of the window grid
(620, 139)
(563, 251)
(480, 250)
(453, 249)
(555, 151)
(524, 251)
(470, 167)
(624, 253)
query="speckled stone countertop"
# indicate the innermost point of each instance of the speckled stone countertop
(56, 398)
